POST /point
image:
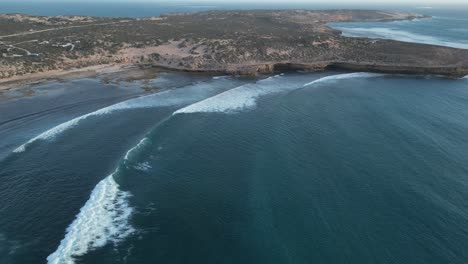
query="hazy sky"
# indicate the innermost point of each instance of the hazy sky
(311, 1)
(421, 3)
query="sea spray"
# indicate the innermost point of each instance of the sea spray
(240, 98)
(132, 150)
(103, 219)
(244, 97)
(105, 216)
(343, 76)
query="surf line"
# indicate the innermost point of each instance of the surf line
(234, 100)
(128, 104)
(105, 217)
(171, 97)
(344, 76)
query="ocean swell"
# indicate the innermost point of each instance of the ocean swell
(344, 76)
(140, 144)
(237, 99)
(105, 216)
(174, 97)
(140, 102)
(103, 219)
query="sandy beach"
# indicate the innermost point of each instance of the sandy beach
(61, 75)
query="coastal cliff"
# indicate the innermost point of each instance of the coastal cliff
(220, 42)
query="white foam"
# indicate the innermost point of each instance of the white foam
(140, 102)
(230, 101)
(388, 33)
(466, 77)
(220, 77)
(245, 97)
(344, 76)
(235, 100)
(144, 166)
(103, 219)
(141, 143)
(167, 98)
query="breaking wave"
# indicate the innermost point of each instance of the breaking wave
(105, 216)
(140, 144)
(221, 77)
(174, 97)
(103, 219)
(240, 98)
(344, 76)
(388, 33)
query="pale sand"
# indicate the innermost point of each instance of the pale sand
(35, 78)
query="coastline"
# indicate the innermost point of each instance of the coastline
(20, 81)
(312, 46)
(252, 70)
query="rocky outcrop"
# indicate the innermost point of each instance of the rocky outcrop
(218, 42)
(450, 71)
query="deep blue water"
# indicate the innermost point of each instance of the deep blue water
(327, 167)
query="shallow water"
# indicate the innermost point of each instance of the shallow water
(445, 28)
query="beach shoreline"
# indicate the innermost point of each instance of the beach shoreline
(291, 40)
(21, 81)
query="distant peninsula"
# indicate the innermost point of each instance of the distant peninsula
(237, 42)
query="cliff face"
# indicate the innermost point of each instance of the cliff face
(235, 42)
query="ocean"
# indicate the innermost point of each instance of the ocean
(329, 167)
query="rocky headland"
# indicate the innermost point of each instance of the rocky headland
(219, 42)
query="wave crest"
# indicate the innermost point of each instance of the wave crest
(189, 94)
(140, 102)
(103, 219)
(135, 148)
(237, 99)
(344, 76)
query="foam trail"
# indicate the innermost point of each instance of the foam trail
(230, 101)
(221, 77)
(344, 76)
(388, 33)
(103, 219)
(167, 98)
(132, 103)
(234, 100)
(245, 96)
(141, 143)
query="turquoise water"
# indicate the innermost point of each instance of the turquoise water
(445, 28)
(328, 167)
